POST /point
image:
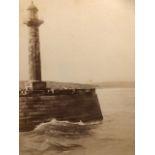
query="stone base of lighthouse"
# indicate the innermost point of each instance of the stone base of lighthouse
(35, 85)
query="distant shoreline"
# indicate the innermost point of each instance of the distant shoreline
(116, 85)
(61, 85)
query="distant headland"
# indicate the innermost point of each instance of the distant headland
(107, 84)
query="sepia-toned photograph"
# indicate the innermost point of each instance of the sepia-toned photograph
(76, 77)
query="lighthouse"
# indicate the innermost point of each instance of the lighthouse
(39, 102)
(33, 23)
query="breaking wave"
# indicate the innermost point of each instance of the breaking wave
(66, 128)
(64, 123)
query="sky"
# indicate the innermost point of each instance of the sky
(82, 41)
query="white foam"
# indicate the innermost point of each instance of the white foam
(64, 123)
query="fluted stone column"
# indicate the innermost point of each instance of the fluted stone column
(34, 55)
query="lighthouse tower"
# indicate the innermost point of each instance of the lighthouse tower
(33, 22)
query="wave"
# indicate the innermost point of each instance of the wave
(68, 129)
(63, 123)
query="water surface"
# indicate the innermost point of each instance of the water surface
(113, 136)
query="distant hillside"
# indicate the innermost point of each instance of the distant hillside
(61, 85)
(122, 84)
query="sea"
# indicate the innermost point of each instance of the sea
(112, 136)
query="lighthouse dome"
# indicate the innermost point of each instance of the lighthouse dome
(32, 7)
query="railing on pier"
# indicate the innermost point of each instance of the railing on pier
(50, 91)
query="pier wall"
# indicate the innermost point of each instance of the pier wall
(37, 109)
